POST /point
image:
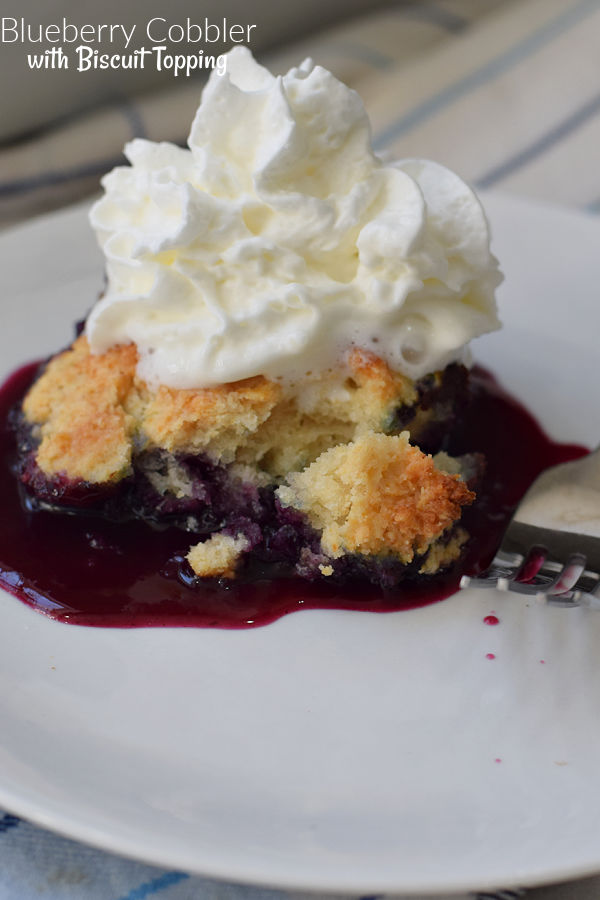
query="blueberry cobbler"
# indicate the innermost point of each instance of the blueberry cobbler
(280, 352)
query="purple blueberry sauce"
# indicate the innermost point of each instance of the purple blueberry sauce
(89, 567)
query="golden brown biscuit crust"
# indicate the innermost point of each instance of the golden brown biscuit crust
(90, 410)
(79, 404)
(377, 496)
(218, 556)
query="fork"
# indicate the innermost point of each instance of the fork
(551, 548)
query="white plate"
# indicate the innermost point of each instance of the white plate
(329, 750)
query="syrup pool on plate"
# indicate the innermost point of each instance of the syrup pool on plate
(86, 570)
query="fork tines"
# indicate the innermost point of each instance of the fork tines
(559, 567)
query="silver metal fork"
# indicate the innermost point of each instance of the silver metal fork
(551, 548)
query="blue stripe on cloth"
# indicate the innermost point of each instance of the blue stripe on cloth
(153, 887)
(133, 116)
(497, 66)
(7, 821)
(361, 52)
(433, 14)
(556, 134)
(51, 179)
(501, 895)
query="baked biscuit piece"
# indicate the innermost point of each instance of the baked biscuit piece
(377, 496)
(78, 408)
(218, 556)
(215, 421)
(91, 415)
(90, 410)
(364, 393)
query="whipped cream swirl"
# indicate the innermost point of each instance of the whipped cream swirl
(279, 239)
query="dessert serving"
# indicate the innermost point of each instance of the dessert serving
(274, 382)
(281, 336)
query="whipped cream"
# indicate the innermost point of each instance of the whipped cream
(279, 239)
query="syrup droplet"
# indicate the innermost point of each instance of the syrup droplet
(497, 760)
(491, 620)
(490, 656)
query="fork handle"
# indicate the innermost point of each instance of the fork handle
(566, 497)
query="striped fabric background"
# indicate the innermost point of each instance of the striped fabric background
(37, 864)
(507, 92)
